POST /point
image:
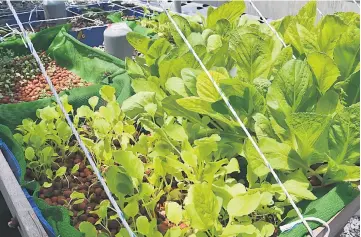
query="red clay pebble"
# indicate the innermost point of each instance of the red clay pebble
(67, 193)
(91, 220)
(83, 217)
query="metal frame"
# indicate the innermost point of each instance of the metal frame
(20, 208)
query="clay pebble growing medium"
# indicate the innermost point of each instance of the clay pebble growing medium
(83, 181)
(22, 81)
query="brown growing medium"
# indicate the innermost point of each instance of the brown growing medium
(34, 86)
(83, 181)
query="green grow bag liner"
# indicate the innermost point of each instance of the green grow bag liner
(90, 64)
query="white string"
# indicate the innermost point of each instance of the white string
(356, 3)
(291, 225)
(31, 14)
(70, 123)
(97, 22)
(130, 9)
(235, 115)
(269, 25)
(319, 11)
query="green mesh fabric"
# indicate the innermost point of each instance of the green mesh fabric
(328, 204)
(90, 64)
(40, 40)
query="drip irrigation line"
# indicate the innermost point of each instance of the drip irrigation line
(235, 115)
(70, 123)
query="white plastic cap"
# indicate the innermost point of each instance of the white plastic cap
(120, 28)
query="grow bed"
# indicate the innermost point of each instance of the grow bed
(21, 80)
(172, 155)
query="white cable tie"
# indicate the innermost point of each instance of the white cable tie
(70, 123)
(293, 224)
(235, 115)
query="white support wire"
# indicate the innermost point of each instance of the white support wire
(235, 115)
(269, 25)
(70, 123)
(354, 1)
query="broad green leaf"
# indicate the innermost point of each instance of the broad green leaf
(175, 132)
(159, 48)
(107, 93)
(206, 33)
(282, 58)
(183, 25)
(48, 113)
(165, 71)
(263, 127)
(324, 69)
(141, 85)
(131, 163)
(195, 38)
(64, 131)
(118, 182)
(76, 195)
(202, 206)
(189, 77)
(29, 153)
(223, 26)
(307, 14)
(252, 51)
(88, 229)
(174, 212)
(84, 111)
(344, 136)
(47, 185)
(60, 172)
(280, 155)
(349, 18)
(350, 89)
(139, 42)
(310, 130)
(347, 52)
(266, 229)
(227, 191)
(133, 69)
(230, 11)
(232, 166)
(327, 104)
(171, 106)
(200, 106)
(308, 40)
(214, 42)
(143, 225)
(239, 230)
(93, 101)
(131, 209)
(176, 86)
(297, 185)
(338, 173)
(291, 90)
(75, 168)
(205, 87)
(243, 205)
(135, 104)
(331, 28)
